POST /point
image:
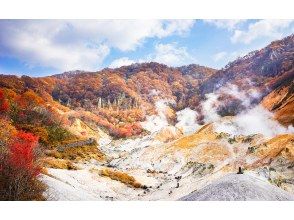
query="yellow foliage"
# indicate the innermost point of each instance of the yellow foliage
(7, 130)
(58, 164)
(122, 177)
(84, 153)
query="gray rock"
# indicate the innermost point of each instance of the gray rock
(234, 187)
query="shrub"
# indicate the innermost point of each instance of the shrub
(251, 149)
(122, 177)
(4, 105)
(59, 164)
(57, 134)
(22, 152)
(19, 171)
(82, 153)
(39, 131)
(232, 140)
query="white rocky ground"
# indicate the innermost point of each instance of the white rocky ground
(137, 157)
(169, 172)
(239, 187)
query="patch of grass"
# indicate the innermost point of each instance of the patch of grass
(232, 140)
(58, 134)
(199, 168)
(78, 154)
(222, 135)
(59, 164)
(252, 149)
(277, 181)
(122, 177)
(248, 138)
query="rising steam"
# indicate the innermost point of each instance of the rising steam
(251, 119)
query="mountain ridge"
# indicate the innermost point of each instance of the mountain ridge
(134, 89)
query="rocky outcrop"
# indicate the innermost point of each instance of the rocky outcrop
(81, 143)
(239, 187)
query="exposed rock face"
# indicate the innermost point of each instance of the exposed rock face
(89, 141)
(242, 187)
(281, 102)
(168, 134)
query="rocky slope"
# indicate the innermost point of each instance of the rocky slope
(234, 187)
(168, 165)
(266, 68)
(281, 102)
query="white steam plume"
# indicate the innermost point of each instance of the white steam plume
(209, 107)
(254, 121)
(211, 104)
(155, 123)
(187, 120)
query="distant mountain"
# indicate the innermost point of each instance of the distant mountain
(133, 90)
(137, 84)
(266, 68)
(197, 71)
(270, 71)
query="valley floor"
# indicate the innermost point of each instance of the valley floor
(174, 168)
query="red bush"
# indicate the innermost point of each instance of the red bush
(4, 105)
(18, 170)
(22, 155)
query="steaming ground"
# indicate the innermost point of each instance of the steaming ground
(253, 121)
(176, 160)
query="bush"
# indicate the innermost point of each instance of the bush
(232, 140)
(19, 171)
(251, 149)
(82, 153)
(122, 177)
(57, 134)
(4, 105)
(59, 164)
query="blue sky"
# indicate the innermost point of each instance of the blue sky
(45, 47)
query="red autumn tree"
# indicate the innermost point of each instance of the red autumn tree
(4, 105)
(22, 154)
(18, 169)
(29, 99)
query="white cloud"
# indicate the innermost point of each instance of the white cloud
(172, 55)
(124, 61)
(169, 54)
(79, 44)
(225, 57)
(263, 28)
(219, 56)
(228, 24)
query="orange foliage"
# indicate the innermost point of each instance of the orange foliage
(4, 105)
(122, 177)
(29, 99)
